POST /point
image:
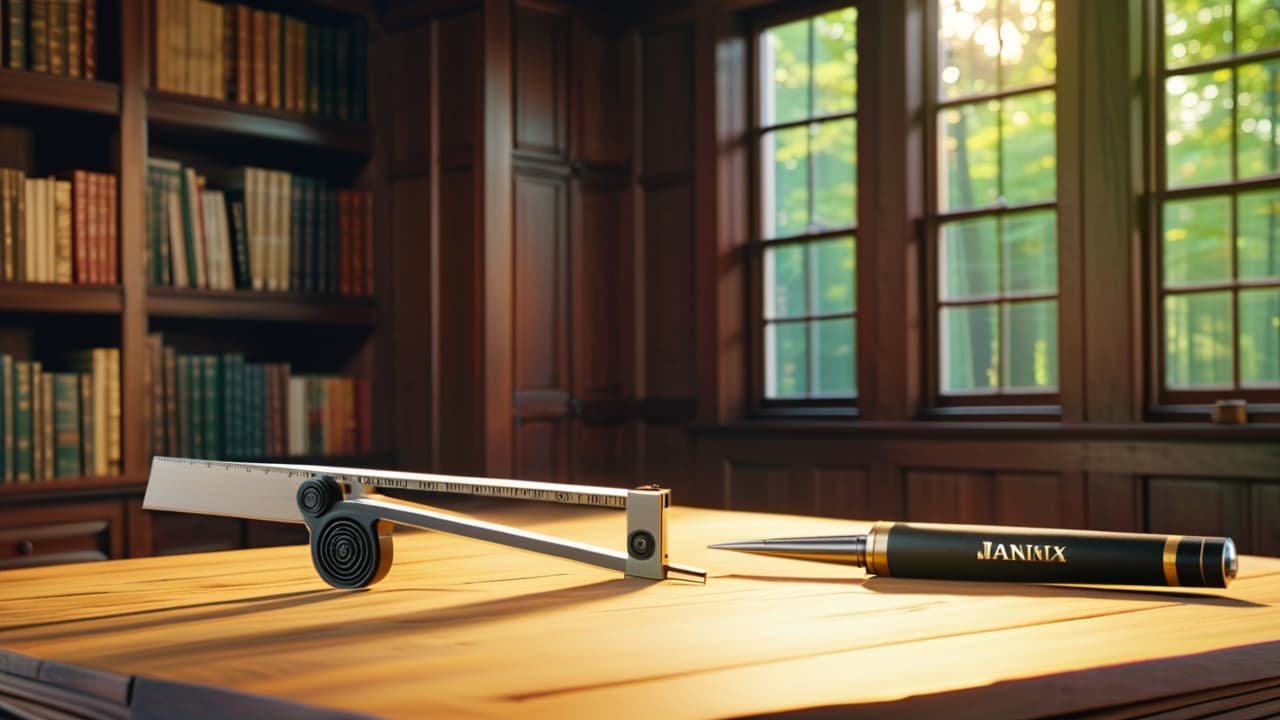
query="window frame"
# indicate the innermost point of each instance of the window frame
(1001, 401)
(1176, 401)
(758, 21)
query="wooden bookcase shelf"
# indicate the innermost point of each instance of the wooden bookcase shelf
(201, 116)
(68, 299)
(80, 486)
(260, 306)
(41, 90)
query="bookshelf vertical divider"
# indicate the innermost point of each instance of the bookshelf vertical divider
(134, 32)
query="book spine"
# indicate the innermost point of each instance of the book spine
(156, 393)
(195, 406)
(113, 231)
(312, 34)
(184, 405)
(230, 52)
(75, 38)
(48, 441)
(66, 408)
(37, 421)
(17, 34)
(230, 427)
(113, 411)
(173, 424)
(240, 242)
(90, 52)
(62, 270)
(80, 225)
(261, 90)
(211, 377)
(88, 460)
(9, 384)
(244, 54)
(38, 36)
(23, 416)
(57, 24)
(8, 216)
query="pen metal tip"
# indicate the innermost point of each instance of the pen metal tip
(843, 549)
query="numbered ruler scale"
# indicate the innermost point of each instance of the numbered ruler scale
(350, 523)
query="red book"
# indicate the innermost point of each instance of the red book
(80, 225)
(92, 228)
(113, 233)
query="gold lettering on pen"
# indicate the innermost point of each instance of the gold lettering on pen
(1024, 552)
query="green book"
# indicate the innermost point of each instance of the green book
(184, 403)
(17, 11)
(88, 455)
(6, 416)
(257, 391)
(37, 421)
(23, 456)
(66, 425)
(232, 424)
(212, 379)
(195, 405)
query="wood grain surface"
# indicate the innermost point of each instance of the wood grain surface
(461, 628)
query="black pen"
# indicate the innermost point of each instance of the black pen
(1016, 554)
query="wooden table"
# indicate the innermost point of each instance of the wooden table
(463, 628)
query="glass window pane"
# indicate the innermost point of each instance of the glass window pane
(835, 60)
(786, 360)
(1258, 137)
(1258, 234)
(835, 175)
(784, 73)
(837, 367)
(1258, 27)
(1260, 337)
(968, 159)
(1029, 148)
(970, 259)
(1027, 51)
(1031, 345)
(784, 281)
(968, 47)
(1196, 31)
(784, 182)
(1198, 340)
(1198, 127)
(1031, 252)
(835, 267)
(1196, 237)
(970, 357)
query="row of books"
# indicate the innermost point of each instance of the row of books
(259, 57)
(59, 229)
(60, 423)
(263, 230)
(222, 407)
(51, 36)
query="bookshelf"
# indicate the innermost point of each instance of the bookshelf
(114, 124)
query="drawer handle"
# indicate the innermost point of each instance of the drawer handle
(26, 547)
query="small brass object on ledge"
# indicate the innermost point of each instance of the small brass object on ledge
(1230, 412)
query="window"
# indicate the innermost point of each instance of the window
(806, 125)
(994, 201)
(1218, 197)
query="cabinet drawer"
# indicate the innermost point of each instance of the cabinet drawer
(45, 535)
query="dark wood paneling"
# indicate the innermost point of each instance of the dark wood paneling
(177, 533)
(269, 534)
(541, 282)
(1114, 502)
(457, 417)
(603, 290)
(459, 78)
(411, 342)
(668, 291)
(666, 112)
(602, 119)
(410, 101)
(540, 450)
(841, 492)
(667, 459)
(540, 74)
(964, 497)
(1199, 507)
(1264, 505)
(603, 454)
(755, 486)
(1034, 499)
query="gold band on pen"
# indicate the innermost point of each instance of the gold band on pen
(1171, 559)
(878, 549)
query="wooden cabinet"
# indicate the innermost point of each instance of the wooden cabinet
(61, 533)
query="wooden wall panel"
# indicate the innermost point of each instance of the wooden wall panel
(541, 280)
(540, 449)
(667, 100)
(840, 492)
(603, 454)
(1199, 507)
(410, 102)
(668, 291)
(411, 343)
(540, 74)
(667, 460)
(1114, 502)
(457, 318)
(760, 487)
(963, 497)
(1034, 499)
(603, 289)
(1264, 506)
(458, 50)
(602, 119)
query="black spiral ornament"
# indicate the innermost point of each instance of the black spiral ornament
(351, 552)
(317, 495)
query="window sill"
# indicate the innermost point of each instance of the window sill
(774, 427)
